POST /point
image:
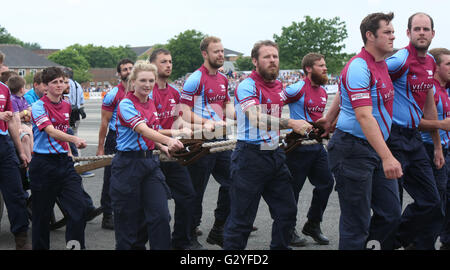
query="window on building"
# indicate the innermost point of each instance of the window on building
(22, 72)
(33, 71)
(92, 83)
(99, 83)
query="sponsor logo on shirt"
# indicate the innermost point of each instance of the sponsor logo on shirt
(421, 87)
(316, 109)
(360, 96)
(389, 95)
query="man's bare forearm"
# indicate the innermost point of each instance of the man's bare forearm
(264, 121)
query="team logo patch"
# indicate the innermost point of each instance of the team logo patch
(360, 96)
(172, 100)
(269, 100)
(187, 97)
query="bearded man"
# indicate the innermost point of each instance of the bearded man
(204, 100)
(258, 164)
(307, 100)
(108, 147)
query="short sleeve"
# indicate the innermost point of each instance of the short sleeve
(396, 64)
(129, 116)
(357, 82)
(190, 88)
(39, 115)
(246, 94)
(293, 92)
(109, 99)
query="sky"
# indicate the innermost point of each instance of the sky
(56, 24)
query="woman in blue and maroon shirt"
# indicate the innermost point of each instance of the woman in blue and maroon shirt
(52, 173)
(138, 189)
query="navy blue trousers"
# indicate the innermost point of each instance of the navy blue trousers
(311, 161)
(445, 234)
(11, 186)
(257, 173)
(362, 186)
(217, 164)
(418, 180)
(441, 177)
(87, 198)
(110, 148)
(180, 184)
(53, 176)
(139, 197)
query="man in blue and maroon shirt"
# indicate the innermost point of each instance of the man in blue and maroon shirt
(108, 124)
(441, 94)
(363, 166)
(307, 100)
(412, 70)
(258, 166)
(167, 99)
(204, 100)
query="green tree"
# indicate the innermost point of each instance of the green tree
(70, 57)
(122, 52)
(244, 63)
(7, 38)
(185, 50)
(313, 35)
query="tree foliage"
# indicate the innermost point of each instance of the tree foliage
(70, 57)
(185, 51)
(7, 38)
(244, 63)
(102, 57)
(313, 35)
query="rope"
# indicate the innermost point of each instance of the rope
(215, 147)
(91, 158)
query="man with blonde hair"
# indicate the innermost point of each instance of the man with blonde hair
(203, 100)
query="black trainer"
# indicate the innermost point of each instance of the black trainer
(198, 232)
(312, 229)
(215, 236)
(108, 222)
(296, 240)
(195, 244)
(445, 246)
(93, 213)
